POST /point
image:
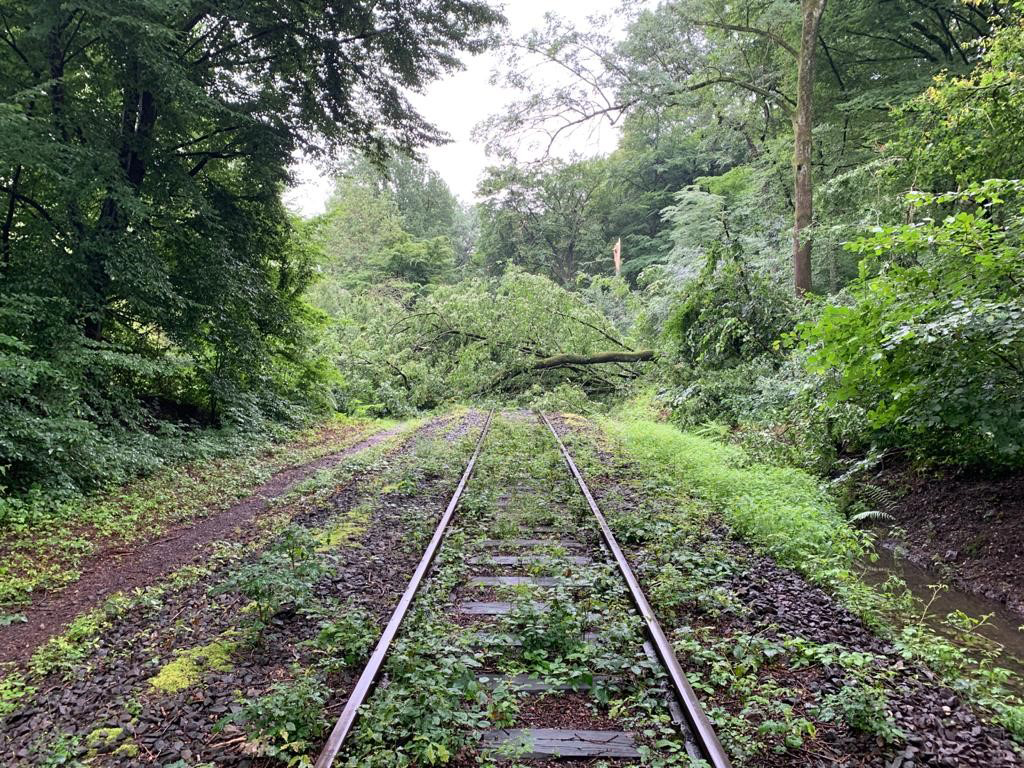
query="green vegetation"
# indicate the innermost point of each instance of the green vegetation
(47, 538)
(234, 319)
(911, 346)
(929, 345)
(284, 574)
(287, 721)
(474, 339)
(152, 283)
(13, 689)
(781, 511)
(446, 679)
(694, 482)
(186, 670)
(63, 653)
(347, 639)
(820, 208)
(228, 615)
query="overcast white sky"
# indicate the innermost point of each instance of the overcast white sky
(459, 102)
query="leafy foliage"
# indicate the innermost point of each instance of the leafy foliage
(397, 223)
(932, 345)
(543, 220)
(287, 721)
(727, 315)
(150, 273)
(347, 639)
(476, 338)
(283, 576)
(966, 128)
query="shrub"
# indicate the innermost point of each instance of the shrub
(729, 314)
(932, 345)
(287, 722)
(283, 576)
(345, 640)
(722, 331)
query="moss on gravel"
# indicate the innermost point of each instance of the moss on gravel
(127, 750)
(187, 669)
(101, 741)
(102, 737)
(342, 532)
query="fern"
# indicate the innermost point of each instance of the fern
(872, 516)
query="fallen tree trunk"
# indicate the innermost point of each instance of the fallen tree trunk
(572, 362)
(562, 361)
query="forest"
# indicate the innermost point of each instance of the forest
(804, 254)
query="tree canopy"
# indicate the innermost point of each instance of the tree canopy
(146, 256)
(152, 279)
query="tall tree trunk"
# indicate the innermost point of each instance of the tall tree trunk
(596, 358)
(803, 125)
(138, 120)
(55, 66)
(5, 233)
(55, 60)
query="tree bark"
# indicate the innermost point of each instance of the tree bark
(55, 66)
(12, 203)
(573, 362)
(618, 356)
(138, 121)
(803, 145)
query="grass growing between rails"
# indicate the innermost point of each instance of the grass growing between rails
(784, 514)
(43, 541)
(292, 611)
(451, 676)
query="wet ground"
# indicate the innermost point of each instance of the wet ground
(124, 568)
(745, 600)
(966, 527)
(104, 708)
(1002, 625)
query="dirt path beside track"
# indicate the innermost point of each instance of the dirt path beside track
(122, 569)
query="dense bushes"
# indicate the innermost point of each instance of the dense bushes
(722, 331)
(70, 415)
(150, 276)
(76, 413)
(922, 352)
(932, 346)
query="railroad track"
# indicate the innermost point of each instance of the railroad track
(528, 570)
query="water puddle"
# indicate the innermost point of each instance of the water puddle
(1002, 627)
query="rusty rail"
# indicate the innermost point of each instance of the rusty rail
(369, 676)
(696, 720)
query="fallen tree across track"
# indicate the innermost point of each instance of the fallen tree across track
(369, 676)
(697, 721)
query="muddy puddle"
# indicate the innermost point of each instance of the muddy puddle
(1002, 627)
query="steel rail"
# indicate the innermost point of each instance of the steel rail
(369, 676)
(694, 714)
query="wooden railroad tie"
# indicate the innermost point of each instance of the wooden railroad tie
(524, 543)
(522, 581)
(530, 684)
(541, 743)
(528, 560)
